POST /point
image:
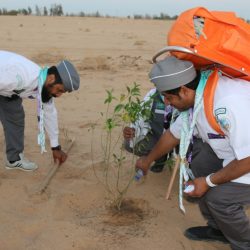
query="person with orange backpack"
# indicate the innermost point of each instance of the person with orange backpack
(220, 164)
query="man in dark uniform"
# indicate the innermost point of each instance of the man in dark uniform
(160, 119)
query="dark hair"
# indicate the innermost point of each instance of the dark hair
(53, 71)
(191, 85)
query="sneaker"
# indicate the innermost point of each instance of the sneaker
(22, 164)
(157, 167)
(205, 233)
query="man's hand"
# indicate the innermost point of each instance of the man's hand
(143, 164)
(59, 156)
(200, 187)
(128, 133)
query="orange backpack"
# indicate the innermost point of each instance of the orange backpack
(222, 43)
(225, 40)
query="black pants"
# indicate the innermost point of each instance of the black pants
(12, 118)
(144, 147)
(222, 206)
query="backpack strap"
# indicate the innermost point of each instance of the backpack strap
(208, 98)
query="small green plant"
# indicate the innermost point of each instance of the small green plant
(118, 171)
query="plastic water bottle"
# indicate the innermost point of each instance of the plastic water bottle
(138, 175)
(189, 189)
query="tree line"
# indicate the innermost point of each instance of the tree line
(54, 10)
(57, 10)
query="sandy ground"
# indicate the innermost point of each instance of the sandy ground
(72, 213)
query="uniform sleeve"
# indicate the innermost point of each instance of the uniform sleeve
(175, 127)
(232, 114)
(140, 122)
(141, 126)
(18, 78)
(51, 123)
(11, 78)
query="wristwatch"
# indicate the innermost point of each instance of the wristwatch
(56, 148)
(208, 181)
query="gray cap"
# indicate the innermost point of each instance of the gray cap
(171, 73)
(69, 75)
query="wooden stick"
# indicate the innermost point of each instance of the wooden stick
(52, 172)
(170, 185)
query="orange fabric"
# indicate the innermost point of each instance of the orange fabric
(208, 98)
(227, 41)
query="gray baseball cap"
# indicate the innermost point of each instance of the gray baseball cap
(171, 73)
(69, 75)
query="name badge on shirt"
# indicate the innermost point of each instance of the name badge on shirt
(215, 136)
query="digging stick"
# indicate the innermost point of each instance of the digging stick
(52, 171)
(170, 185)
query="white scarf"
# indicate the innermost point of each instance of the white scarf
(40, 109)
(187, 133)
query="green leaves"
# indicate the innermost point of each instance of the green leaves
(126, 108)
(129, 108)
(110, 124)
(118, 108)
(118, 159)
(110, 96)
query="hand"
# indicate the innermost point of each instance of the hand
(200, 187)
(59, 156)
(128, 133)
(143, 164)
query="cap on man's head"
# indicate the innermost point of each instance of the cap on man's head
(69, 75)
(171, 73)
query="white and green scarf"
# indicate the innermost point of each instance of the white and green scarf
(187, 133)
(40, 109)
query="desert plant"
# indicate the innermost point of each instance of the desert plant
(117, 171)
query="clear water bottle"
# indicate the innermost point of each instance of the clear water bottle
(138, 175)
(189, 189)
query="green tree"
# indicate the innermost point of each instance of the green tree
(23, 12)
(45, 11)
(56, 10)
(29, 11)
(117, 172)
(38, 11)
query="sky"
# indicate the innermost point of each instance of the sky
(131, 7)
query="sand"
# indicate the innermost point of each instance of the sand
(72, 213)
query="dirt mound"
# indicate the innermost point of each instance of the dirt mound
(132, 211)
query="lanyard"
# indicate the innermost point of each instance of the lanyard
(40, 109)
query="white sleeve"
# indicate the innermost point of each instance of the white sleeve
(141, 126)
(18, 75)
(232, 115)
(50, 122)
(149, 95)
(175, 127)
(140, 123)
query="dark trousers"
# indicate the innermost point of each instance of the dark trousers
(222, 206)
(12, 119)
(144, 147)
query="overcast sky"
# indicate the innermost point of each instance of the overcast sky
(130, 7)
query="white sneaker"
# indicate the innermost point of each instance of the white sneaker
(22, 164)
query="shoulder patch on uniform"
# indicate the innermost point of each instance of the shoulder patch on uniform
(220, 111)
(224, 121)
